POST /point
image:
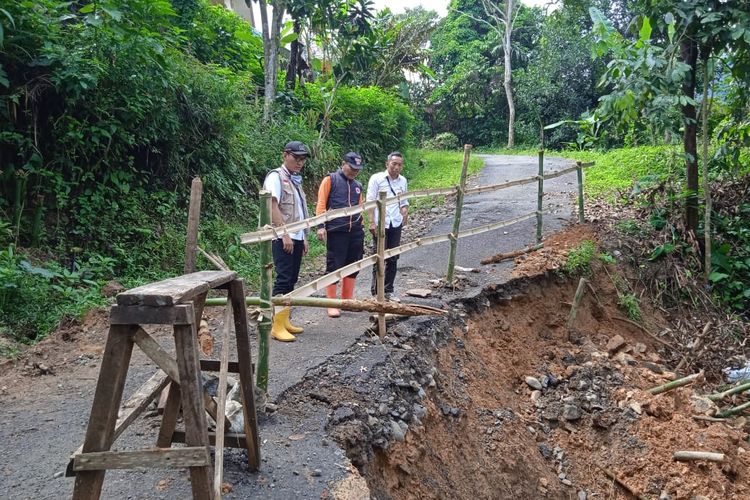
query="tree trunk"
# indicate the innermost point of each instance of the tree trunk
(689, 54)
(507, 83)
(270, 55)
(294, 56)
(706, 186)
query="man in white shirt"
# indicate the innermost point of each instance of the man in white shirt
(396, 213)
(288, 204)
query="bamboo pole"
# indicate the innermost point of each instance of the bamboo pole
(381, 260)
(345, 304)
(194, 215)
(576, 303)
(734, 390)
(266, 271)
(579, 173)
(734, 411)
(457, 219)
(540, 196)
(685, 456)
(676, 383)
(271, 233)
(510, 255)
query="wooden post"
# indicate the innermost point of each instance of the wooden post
(457, 219)
(579, 172)
(381, 260)
(266, 282)
(221, 402)
(194, 215)
(539, 197)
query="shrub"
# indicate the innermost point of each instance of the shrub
(442, 141)
(369, 120)
(579, 259)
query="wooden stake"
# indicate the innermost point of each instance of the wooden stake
(457, 219)
(222, 402)
(686, 456)
(194, 215)
(266, 270)
(381, 260)
(676, 383)
(576, 303)
(539, 197)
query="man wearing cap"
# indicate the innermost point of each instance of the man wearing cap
(288, 204)
(344, 236)
(396, 212)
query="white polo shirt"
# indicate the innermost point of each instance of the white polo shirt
(273, 186)
(381, 181)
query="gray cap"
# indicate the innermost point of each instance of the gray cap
(296, 148)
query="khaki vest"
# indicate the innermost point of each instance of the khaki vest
(287, 203)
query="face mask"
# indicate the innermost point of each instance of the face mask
(296, 179)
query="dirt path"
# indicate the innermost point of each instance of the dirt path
(45, 398)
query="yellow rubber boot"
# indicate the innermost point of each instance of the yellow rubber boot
(331, 291)
(285, 313)
(278, 330)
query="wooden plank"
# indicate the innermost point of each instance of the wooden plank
(173, 291)
(105, 408)
(150, 315)
(193, 409)
(132, 408)
(247, 385)
(231, 440)
(164, 360)
(143, 459)
(221, 403)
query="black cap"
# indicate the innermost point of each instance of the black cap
(354, 160)
(296, 148)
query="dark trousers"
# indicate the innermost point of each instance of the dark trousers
(287, 266)
(344, 248)
(392, 240)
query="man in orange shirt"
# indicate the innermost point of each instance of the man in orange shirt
(344, 236)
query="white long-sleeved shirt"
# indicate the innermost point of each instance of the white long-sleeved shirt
(381, 181)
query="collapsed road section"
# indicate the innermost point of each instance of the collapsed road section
(499, 400)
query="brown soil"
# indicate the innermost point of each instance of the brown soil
(591, 432)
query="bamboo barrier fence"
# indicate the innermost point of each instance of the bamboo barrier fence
(266, 233)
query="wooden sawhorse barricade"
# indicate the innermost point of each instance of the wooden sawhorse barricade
(178, 302)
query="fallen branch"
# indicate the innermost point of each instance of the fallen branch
(510, 255)
(622, 483)
(217, 261)
(687, 456)
(734, 390)
(734, 411)
(676, 383)
(644, 330)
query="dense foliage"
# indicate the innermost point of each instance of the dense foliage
(107, 110)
